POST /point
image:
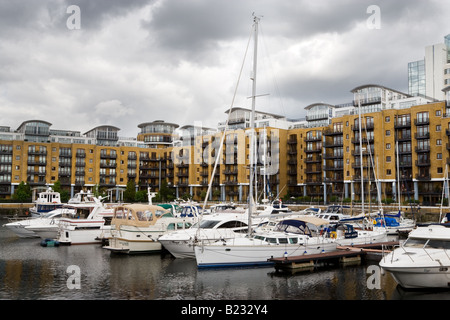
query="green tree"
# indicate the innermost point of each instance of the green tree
(141, 196)
(129, 194)
(165, 193)
(22, 193)
(64, 194)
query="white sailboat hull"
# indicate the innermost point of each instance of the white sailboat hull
(181, 244)
(364, 237)
(223, 255)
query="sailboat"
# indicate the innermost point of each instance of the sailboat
(395, 222)
(292, 236)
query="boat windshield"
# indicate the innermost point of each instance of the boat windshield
(427, 243)
(209, 224)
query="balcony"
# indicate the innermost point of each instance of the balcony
(421, 122)
(311, 181)
(423, 163)
(312, 139)
(332, 132)
(423, 135)
(313, 150)
(310, 159)
(423, 176)
(402, 124)
(422, 149)
(405, 137)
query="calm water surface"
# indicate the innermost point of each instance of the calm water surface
(31, 272)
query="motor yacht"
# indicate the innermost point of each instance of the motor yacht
(136, 228)
(423, 260)
(25, 228)
(87, 225)
(47, 201)
(211, 227)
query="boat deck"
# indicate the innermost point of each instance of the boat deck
(344, 254)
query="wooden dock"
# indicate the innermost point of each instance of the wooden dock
(344, 255)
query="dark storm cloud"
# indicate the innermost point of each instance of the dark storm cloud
(178, 60)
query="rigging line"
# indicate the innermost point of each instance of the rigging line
(373, 167)
(226, 125)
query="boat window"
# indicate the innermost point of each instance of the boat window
(438, 244)
(208, 224)
(271, 240)
(171, 226)
(259, 237)
(160, 213)
(232, 224)
(293, 240)
(415, 243)
(144, 215)
(282, 240)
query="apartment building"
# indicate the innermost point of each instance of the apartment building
(385, 144)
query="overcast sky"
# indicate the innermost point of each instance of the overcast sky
(131, 61)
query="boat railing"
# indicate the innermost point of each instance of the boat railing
(394, 250)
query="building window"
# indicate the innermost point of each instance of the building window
(388, 132)
(439, 156)
(388, 159)
(388, 172)
(388, 146)
(438, 128)
(438, 142)
(387, 119)
(439, 170)
(438, 113)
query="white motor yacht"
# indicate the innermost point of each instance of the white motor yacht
(25, 228)
(291, 237)
(423, 260)
(136, 228)
(47, 201)
(88, 224)
(210, 228)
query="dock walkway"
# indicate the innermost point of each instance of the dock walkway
(344, 254)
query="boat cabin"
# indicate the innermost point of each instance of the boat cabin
(138, 215)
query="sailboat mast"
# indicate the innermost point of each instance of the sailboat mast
(252, 123)
(361, 154)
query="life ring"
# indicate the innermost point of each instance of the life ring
(333, 235)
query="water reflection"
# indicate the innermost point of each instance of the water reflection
(29, 271)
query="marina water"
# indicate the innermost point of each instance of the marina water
(29, 271)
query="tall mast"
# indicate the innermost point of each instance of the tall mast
(361, 154)
(252, 123)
